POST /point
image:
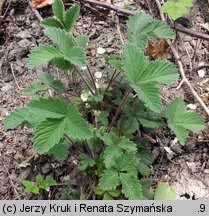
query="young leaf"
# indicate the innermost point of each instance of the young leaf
(180, 121)
(41, 55)
(176, 9)
(85, 162)
(141, 26)
(39, 178)
(30, 187)
(109, 180)
(58, 9)
(164, 192)
(70, 16)
(131, 186)
(63, 64)
(60, 150)
(51, 22)
(47, 183)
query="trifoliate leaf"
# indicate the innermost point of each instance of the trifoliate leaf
(41, 55)
(48, 133)
(176, 9)
(111, 139)
(58, 9)
(85, 162)
(164, 192)
(143, 75)
(131, 186)
(34, 88)
(60, 150)
(51, 22)
(141, 26)
(82, 41)
(70, 16)
(109, 180)
(180, 121)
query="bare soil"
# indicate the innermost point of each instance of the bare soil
(186, 168)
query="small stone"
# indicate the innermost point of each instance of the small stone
(201, 73)
(6, 87)
(192, 106)
(187, 38)
(23, 34)
(46, 168)
(206, 171)
(101, 50)
(24, 43)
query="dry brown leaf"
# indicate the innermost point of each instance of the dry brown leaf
(156, 50)
(41, 3)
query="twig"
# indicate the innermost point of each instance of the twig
(38, 15)
(181, 68)
(13, 74)
(125, 12)
(119, 30)
(92, 78)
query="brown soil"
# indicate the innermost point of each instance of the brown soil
(186, 169)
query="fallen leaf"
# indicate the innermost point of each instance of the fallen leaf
(41, 3)
(156, 50)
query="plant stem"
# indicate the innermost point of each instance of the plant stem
(80, 74)
(74, 144)
(118, 111)
(92, 78)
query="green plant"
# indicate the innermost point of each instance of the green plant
(176, 8)
(41, 183)
(105, 120)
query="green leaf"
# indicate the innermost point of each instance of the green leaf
(39, 178)
(70, 16)
(131, 186)
(180, 121)
(62, 39)
(48, 133)
(141, 26)
(41, 55)
(58, 9)
(98, 191)
(63, 64)
(47, 183)
(85, 162)
(143, 169)
(82, 41)
(176, 9)
(60, 150)
(103, 117)
(34, 88)
(145, 156)
(49, 80)
(111, 153)
(150, 95)
(149, 119)
(111, 139)
(30, 187)
(143, 75)
(130, 125)
(109, 180)
(51, 22)
(164, 192)
(114, 193)
(114, 61)
(15, 118)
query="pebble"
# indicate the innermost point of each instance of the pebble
(23, 34)
(201, 73)
(6, 88)
(101, 50)
(24, 43)
(206, 171)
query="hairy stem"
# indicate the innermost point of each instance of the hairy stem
(118, 111)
